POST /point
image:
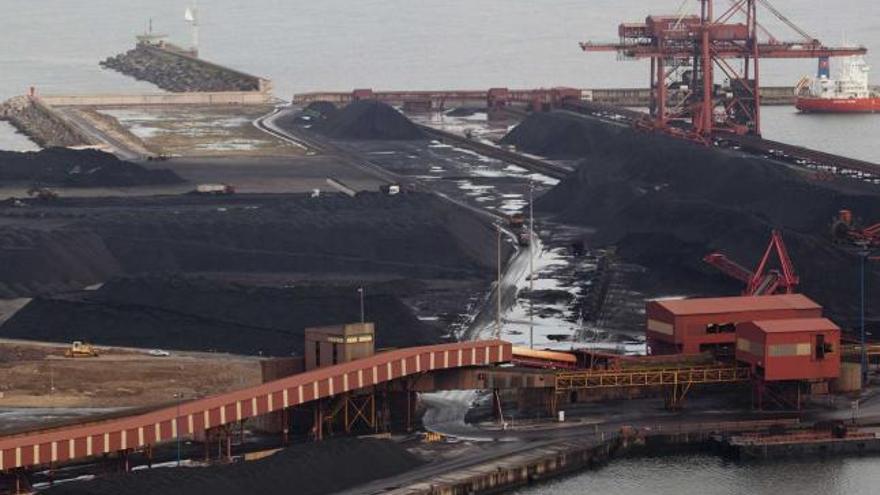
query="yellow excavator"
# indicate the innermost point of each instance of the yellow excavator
(80, 349)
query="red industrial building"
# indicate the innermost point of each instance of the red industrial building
(689, 326)
(791, 349)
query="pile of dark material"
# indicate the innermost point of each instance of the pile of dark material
(197, 314)
(78, 242)
(321, 109)
(555, 135)
(666, 203)
(78, 168)
(369, 119)
(178, 73)
(308, 469)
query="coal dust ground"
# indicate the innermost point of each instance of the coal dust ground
(199, 314)
(78, 168)
(305, 469)
(666, 203)
(437, 253)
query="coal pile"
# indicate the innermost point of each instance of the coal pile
(199, 314)
(557, 135)
(38, 261)
(313, 469)
(666, 203)
(370, 120)
(78, 168)
(322, 109)
(74, 241)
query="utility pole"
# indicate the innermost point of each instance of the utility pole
(531, 265)
(177, 396)
(498, 288)
(362, 293)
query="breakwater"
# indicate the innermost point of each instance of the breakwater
(176, 70)
(43, 124)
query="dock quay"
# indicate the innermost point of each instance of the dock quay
(577, 453)
(800, 443)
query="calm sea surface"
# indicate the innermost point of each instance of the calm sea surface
(709, 475)
(55, 45)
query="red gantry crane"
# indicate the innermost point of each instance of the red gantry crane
(761, 281)
(845, 229)
(686, 51)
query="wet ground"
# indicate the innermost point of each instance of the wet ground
(556, 271)
(201, 131)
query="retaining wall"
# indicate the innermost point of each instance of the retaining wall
(193, 98)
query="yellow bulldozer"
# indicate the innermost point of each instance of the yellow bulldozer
(80, 349)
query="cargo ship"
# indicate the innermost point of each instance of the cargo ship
(848, 93)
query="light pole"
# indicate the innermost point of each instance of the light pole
(531, 266)
(498, 289)
(177, 396)
(362, 292)
(865, 255)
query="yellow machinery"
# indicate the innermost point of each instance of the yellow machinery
(81, 349)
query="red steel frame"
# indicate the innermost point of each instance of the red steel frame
(56, 445)
(761, 282)
(701, 44)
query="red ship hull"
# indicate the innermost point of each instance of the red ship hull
(838, 105)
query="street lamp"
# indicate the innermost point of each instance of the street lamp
(177, 396)
(498, 287)
(864, 254)
(531, 265)
(362, 292)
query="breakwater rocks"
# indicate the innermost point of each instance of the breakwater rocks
(175, 71)
(42, 124)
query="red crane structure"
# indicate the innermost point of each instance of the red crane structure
(845, 229)
(761, 281)
(687, 50)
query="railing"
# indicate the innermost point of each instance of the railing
(568, 381)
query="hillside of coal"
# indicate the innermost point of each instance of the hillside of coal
(667, 203)
(313, 469)
(63, 167)
(359, 120)
(200, 314)
(558, 135)
(72, 242)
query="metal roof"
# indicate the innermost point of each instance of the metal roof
(737, 304)
(794, 325)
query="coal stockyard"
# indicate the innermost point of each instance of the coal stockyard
(219, 289)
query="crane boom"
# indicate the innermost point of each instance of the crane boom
(686, 51)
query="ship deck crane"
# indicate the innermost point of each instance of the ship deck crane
(761, 281)
(686, 51)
